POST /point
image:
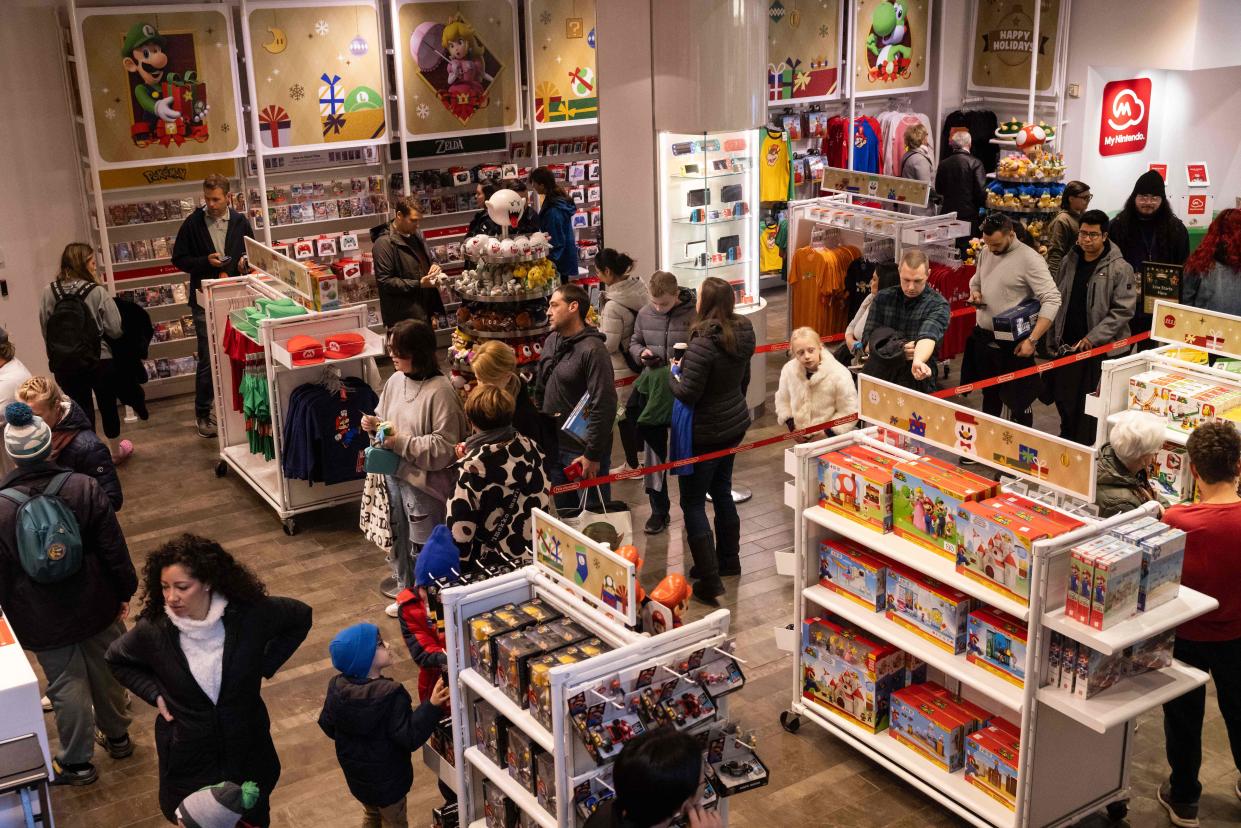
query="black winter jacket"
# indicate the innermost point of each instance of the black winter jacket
(231, 739)
(194, 246)
(569, 368)
(46, 616)
(713, 382)
(960, 182)
(400, 264)
(128, 351)
(376, 729)
(85, 453)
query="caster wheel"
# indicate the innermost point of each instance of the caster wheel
(289, 525)
(221, 468)
(1117, 811)
(790, 721)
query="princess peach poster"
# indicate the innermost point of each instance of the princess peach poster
(161, 83)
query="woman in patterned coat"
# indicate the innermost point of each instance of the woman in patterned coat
(500, 480)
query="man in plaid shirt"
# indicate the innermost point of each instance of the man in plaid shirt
(915, 311)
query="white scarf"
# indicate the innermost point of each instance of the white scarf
(203, 645)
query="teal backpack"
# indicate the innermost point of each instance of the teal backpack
(49, 542)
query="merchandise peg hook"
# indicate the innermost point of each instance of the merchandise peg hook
(668, 669)
(610, 701)
(733, 656)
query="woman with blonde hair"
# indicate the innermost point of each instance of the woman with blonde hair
(74, 443)
(495, 364)
(916, 163)
(80, 316)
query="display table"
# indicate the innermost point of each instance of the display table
(23, 713)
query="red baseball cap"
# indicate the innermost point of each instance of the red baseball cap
(305, 350)
(342, 345)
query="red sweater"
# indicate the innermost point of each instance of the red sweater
(1212, 566)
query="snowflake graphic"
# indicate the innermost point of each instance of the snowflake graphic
(275, 71)
(109, 113)
(900, 402)
(545, 18)
(423, 111)
(1007, 437)
(297, 91)
(104, 90)
(269, 78)
(824, 31)
(321, 28)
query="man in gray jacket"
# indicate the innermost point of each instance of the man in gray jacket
(1097, 300)
(575, 362)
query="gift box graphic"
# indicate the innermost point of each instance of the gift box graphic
(274, 126)
(354, 126)
(190, 102)
(546, 97)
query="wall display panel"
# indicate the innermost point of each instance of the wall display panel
(1001, 45)
(566, 78)
(460, 63)
(803, 50)
(161, 83)
(890, 46)
(318, 74)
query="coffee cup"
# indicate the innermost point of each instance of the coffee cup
(678, 351)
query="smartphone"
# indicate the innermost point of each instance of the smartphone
(225, 259)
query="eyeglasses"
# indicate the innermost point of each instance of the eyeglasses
(1148, 199)
(1082, 234)
(1083, 196)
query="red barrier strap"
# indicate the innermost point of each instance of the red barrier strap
(784, 346)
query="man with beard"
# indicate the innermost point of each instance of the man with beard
(1146, 230)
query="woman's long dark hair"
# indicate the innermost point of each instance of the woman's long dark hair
(207, 561)
(545, 178)
(414, 339)
(716, 311)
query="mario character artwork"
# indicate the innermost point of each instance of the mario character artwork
(168, 106)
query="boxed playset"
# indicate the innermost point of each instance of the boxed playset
(1117, 576)
(849, 570)
(1170, 476)
(1154, 653)
(545, 780)
(849, 672)
(539, 689)
(925, 499)
(991, 761)
(932, 725)
(997, 643)
(732, 764)
(1163, 557)
(490, 732)
(1051, 667)
(1016, 323)
(1096, 672)
(997, 546)
(1068, 664)
(857, 489)
(1062, 522)
(486, 627)
(515, 650)
(927, 607)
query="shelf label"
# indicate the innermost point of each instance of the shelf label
(587, 567)
(1176, 324)
(880, 187)
(291, 273)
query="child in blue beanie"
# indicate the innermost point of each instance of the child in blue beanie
(374, 724)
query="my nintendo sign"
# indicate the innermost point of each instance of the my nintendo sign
(1126, 114)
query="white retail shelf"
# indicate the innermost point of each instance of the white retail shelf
(511, 788)
(950, 789)
(1129, 699)
(992, 686)
(1186, 605)
(792, 463)
(444, 771)
(790, 494)
(1171, 435)
(375, 347)
(916, 557)
(521, 717)
(1094, 405)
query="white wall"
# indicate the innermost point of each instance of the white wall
(40, 210)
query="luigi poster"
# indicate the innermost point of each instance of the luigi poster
(161, 83)
(460, 66)
(803, 50)
(890, 46)
(566, 79)
(317, 73)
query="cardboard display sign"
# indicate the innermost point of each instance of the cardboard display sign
(1160, 281)
(890, 47)
(1003, 41)
(566, 74)
(880, 187)
(1218, 333)
(587, 568)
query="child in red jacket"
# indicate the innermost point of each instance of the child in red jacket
(439, 562)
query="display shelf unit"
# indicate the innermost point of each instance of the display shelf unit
(1075, 753)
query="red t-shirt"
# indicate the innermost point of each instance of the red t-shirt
(1212, 566)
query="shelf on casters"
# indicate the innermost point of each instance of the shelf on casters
(916, 557)
(374, 348)
(1186, 605)
(1130, 698)
(989, 684)
(936, 781)
(1171, 435)
(521, 717)
(510, 786)
(689, 266)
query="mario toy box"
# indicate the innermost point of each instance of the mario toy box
(997, 643)
(850, 673)
(935, 723)
(936, 612)
(847, 569)
(926, 495)
(991, 759)
(857, 489)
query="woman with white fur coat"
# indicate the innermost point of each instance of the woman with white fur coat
(814, 387)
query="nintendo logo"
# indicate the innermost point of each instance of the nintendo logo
(1126, 114)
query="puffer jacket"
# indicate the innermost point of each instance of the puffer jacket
(556, 220)
(826, 394)
(568, 369)
(376, 730)
(713, 382)
(1110, 297)
(623, 301)
(1116, 488)
(658, 332)
(75, 446)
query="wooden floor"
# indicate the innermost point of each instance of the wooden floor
(170, 487)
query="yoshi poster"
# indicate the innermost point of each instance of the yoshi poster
(159, 84)
(1003, 38)
(890, 46)
(317, 74)
(803, 50)
(563, 39)
(585, 567)
(460, 67)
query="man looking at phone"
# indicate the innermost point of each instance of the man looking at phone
(1097, 300)
(210, 245)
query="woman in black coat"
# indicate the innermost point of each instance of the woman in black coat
(207, 637)
(712, 379)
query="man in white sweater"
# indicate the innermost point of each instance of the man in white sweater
(1008, 274)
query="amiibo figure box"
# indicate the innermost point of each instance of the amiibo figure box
(997, 643)
(927, 607)
(856, 489)
(848, 570)
(1117, 577)
(1163, 557)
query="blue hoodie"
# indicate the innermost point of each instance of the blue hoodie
(556, 220)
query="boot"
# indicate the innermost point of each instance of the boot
(728, 545)
(708, 586)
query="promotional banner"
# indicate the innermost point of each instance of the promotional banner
(317, 74)
(882, 187)
(173, 173)
(803, 47)
(1183, 325)
(1126, 114)
(460, 63)
(565, 77)
(1003, 40)
(161, 84)
(890, 46)
(585, 567)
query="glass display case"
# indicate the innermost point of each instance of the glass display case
(708, 200)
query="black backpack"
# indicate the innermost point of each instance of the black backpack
(73, 340)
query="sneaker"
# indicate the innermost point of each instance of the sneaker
(392, 610)
(75, 775)
(656, 524)
(624, 467)
(1181, 814)
(125, 449)
(121, 748)
(389, 588)
(47, 704)
(206, 426)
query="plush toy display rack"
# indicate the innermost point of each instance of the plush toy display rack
(1074, 753)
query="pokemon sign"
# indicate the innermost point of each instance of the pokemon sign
(1123, 124)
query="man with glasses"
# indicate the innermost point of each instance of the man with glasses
(1146, 230)
(1097, 300)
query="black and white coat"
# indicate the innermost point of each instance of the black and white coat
(498, 484)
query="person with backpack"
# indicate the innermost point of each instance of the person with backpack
(623, 297)
(76, 314)
(65, 584)
(74, 445)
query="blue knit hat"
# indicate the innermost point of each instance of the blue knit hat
(353, 649)
(27, 438)
(438, 559)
